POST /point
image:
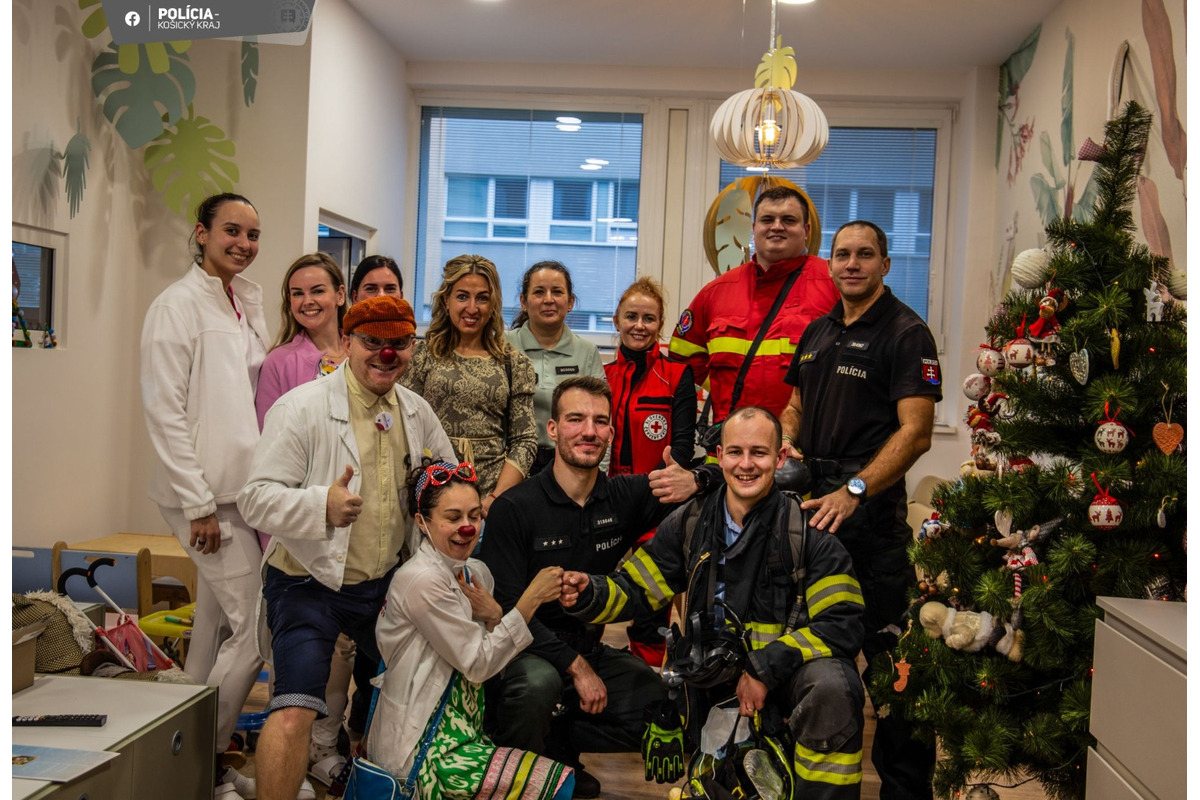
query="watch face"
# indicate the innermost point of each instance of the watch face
(856, 486)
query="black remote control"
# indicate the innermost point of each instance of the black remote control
(61, 721)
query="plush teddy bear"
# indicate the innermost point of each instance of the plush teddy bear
(971, 631)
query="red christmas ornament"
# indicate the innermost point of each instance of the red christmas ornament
(1105, 510)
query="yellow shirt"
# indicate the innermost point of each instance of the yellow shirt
(378, 534)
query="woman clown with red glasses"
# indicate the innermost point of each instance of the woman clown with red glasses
(441, 635)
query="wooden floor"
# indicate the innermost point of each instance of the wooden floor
(621, 775)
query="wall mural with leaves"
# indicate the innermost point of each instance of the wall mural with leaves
(1040, 107)
(147, 91)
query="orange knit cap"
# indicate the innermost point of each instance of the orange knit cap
(384, 316)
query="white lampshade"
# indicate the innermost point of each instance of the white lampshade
(769, 127)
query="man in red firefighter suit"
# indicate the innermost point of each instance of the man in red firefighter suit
(716, 330)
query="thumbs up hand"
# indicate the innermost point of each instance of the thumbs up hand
(342, 506)
(672, 483)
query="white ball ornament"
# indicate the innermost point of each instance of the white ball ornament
(977, 386)
(1177, 284)
(1030, 267)
(1105, 513)
(1019, 352)
(990, 361)
(1111, 437)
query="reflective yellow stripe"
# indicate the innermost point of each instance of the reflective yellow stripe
(642, 570)
(616, 601)
(768, 347)
(833, 589)
(684, 348)
(762, 634)
(808, 644)
(841, 769)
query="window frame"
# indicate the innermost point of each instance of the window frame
(59, 243)
(652, 189)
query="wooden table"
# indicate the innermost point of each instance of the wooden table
(167, 556)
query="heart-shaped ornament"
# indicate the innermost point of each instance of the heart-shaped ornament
(1081, 365)
(1168, 437)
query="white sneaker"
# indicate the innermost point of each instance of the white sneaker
(245, 787)
(325, 763)
(306, 792)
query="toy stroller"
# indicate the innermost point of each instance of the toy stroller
(133, 648)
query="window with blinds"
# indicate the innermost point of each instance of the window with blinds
(33, 273)
(522, 186)
(886, 176)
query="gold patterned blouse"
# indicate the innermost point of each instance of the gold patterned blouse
(469, 394)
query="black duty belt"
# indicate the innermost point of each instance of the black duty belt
(833, 467)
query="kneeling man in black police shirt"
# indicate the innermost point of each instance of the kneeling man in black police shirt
(791, 588)
(866, 378)
(572, 516)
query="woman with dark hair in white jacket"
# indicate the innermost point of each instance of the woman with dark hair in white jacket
(203, 343)
(442, 635)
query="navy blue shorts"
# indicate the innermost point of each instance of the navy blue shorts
(305, 618)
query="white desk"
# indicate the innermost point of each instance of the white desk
(164, 732)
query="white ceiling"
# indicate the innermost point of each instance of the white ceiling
(828, 34)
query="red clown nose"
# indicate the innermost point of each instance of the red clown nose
(387, 355)
(466, 530)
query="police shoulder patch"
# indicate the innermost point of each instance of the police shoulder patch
(931, 371)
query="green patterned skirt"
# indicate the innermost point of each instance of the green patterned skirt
(463, 764)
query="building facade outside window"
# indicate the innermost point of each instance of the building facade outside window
(521, 186)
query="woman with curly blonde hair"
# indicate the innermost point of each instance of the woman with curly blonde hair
(466, 355)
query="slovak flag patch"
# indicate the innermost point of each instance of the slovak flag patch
(931, 371)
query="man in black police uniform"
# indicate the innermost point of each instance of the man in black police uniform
(573, 516)
(866, 379)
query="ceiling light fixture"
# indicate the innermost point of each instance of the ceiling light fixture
(568, 128)
(771, 126)
(797, 2)
(589, 166)
(599, 161)
(568, 120)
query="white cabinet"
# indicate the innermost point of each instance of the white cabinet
(1139, 702)
(165, 734)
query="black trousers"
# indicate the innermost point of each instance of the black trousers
(877, 535)
(522, 706)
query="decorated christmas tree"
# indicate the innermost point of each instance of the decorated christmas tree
(1076, 489)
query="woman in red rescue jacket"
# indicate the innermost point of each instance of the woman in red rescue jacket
(653, 407)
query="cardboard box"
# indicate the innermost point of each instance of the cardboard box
(24, 650)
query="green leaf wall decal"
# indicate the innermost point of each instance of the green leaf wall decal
(138, 104)
(1068, 102)
(249, 69)
(1046, 198)
(96, 22)
(191, 162)
(75, 164)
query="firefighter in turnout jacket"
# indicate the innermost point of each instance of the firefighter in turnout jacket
(745, 555)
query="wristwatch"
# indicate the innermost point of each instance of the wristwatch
(857, 487)
(701, 480)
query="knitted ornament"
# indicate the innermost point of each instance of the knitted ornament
(1030, 267)
(1177, 284)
